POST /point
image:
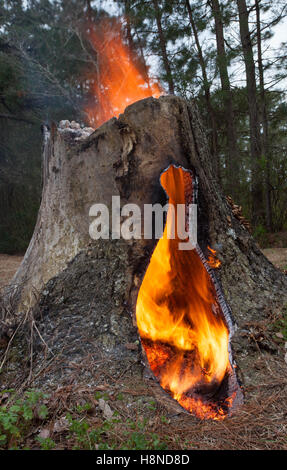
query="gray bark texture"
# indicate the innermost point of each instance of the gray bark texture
(77, 295)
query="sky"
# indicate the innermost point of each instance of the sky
(280, 34)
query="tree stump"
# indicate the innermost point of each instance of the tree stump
(78, 295)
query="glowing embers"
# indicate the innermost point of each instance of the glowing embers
(122, 77)
(180, 320)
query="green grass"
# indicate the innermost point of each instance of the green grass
(16, 419)
(281, 325)
(21, 419)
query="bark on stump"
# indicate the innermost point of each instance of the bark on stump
(82, 293)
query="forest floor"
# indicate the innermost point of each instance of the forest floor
(8, 266)
(129, 412)
(277, 255)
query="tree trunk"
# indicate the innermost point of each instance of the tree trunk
(255, 138)
(127, 10)
(264, 120)
(162, 42)
(81, 293)
(232, 162)
(206, 88)
(136, 53)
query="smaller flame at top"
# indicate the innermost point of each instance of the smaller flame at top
(122, 77)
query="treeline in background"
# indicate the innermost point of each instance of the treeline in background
(222, 54)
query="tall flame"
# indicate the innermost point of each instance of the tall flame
(179, 319)
(121, 77)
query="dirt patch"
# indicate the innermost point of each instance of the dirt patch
(277, 256)
(10, 263)
(276, 240)
(8, 267)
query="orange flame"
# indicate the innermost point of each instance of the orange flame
(179, 319)
(121, 78)
(212, 260)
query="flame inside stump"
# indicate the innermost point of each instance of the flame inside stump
(181, 323)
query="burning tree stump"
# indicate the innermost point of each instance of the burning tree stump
(81, 294)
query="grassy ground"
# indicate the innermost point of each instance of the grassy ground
(129, 414)
(277, 256)
(10, 263)
(8, 266)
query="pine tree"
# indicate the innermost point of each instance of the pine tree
(258, 213)
(232, 161)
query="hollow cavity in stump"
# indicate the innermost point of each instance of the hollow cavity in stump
(183, 319)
